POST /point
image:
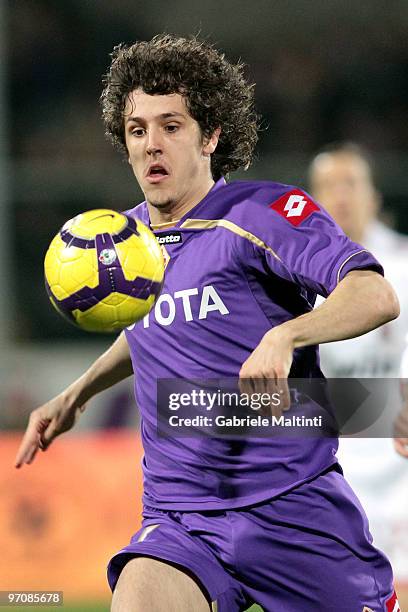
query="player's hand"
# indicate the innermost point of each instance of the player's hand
(401, 432)
(45, 424)
(267, 368)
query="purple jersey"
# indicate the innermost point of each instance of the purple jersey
(248, 257)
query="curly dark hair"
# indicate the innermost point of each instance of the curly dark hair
(215, 91)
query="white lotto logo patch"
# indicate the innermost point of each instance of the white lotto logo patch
(167, 305)
(295, 205)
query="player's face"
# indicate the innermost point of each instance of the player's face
(341, 182)
(168, 155)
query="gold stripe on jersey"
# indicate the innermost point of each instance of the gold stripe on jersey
(232, 227)
(166, 256)
(214, 606)
(167, 225)
(348, 259)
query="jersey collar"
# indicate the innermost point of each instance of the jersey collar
(144, 217)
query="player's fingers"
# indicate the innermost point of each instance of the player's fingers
(278, 390)
(275, 401)
(284, 393)
(26, 453)
(31, 455)
(49, 434)
(64, 421)
(245, 385)
(263, 388)
(401, 425)
(31, 441)
(401, 446)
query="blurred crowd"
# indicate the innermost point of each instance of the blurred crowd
(318, 78)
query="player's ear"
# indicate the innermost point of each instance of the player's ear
(210, 144)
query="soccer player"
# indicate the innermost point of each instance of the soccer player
(229, 522)
(341, 178)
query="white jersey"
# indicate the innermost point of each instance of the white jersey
(375, 471)
(378, 353)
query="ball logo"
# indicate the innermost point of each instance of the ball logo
(107, 256)
(295, 206)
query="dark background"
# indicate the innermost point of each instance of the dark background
(325, 70)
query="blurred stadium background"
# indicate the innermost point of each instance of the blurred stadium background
(325, 70)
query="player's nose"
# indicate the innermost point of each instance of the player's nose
(154, 144)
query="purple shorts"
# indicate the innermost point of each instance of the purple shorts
(307, 551)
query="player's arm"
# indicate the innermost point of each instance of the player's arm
(61, 413)
(362, 301)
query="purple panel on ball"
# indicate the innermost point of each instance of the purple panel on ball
(130, 229)
(71, 240)
(85, 243)
(86, 297)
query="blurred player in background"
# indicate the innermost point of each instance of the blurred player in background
(228, 522)
(341, 178)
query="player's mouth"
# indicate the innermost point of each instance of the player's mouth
(156, 173)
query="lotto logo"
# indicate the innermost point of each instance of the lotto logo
(295, 206)
(169, 238)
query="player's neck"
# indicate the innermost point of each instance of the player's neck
(361, 232)
(359, 235)
(177, 210)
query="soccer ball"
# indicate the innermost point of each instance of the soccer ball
(103, 270)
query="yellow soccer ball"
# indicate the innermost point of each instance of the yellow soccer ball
(103, 270)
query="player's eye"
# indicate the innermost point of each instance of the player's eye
(138, 131)
(171, 128)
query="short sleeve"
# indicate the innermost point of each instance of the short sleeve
(300, 242)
